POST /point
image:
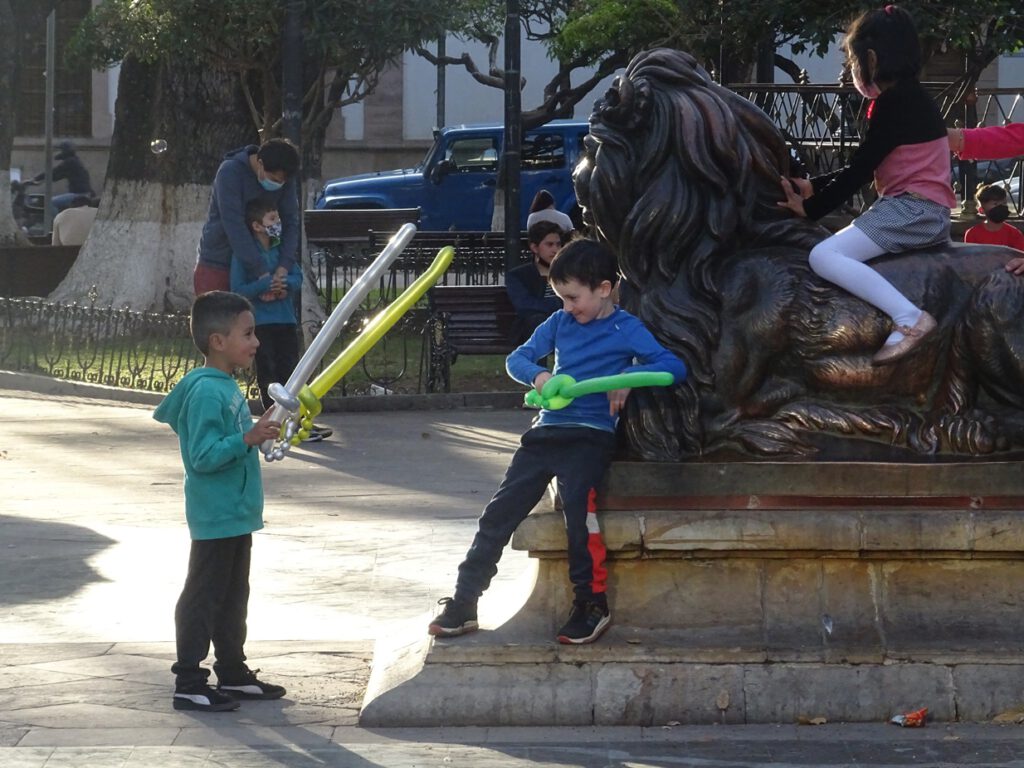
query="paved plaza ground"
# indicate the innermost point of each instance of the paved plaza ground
(363, 534)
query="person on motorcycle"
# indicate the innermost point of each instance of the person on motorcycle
(70, 167)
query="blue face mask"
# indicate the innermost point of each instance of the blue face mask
(273, 230)
(270, 185)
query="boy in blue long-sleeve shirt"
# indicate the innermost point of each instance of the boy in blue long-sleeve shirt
(591, 337)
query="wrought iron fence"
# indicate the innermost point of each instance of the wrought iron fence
(99, 345)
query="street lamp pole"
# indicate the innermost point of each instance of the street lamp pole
(51, 89)
(512, 157)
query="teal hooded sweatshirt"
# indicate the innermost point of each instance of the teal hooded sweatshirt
(223, 489)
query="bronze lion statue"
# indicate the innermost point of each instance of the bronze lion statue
(681, 177)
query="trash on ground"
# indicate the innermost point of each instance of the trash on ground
(911, 719)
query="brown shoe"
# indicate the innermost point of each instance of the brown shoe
(912, 338)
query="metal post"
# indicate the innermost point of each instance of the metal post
(291, 72)
(970, 169)
(513, 133)
(51, 89)
(291, 105)
(441, 51)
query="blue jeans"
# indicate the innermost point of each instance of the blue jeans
(578, 457)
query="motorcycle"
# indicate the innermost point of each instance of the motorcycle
(28, 207)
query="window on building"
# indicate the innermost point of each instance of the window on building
(73, 90)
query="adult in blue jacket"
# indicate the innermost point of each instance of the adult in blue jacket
(269, 170)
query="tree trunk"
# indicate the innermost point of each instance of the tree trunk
(141, 250)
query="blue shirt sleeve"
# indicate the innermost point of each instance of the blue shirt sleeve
(210, 448)
(522, 365)
(651, 355)
(243, 284)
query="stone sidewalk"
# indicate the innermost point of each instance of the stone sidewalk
(364, 532)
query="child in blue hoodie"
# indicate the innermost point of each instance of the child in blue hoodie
(590, 337)
(273, 298)
(223, 506)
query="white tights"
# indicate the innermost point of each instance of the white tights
(839, 259)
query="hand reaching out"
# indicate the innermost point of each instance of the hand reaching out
(1016, 265)
(796, 191)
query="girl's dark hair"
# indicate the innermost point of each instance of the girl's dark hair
(587, 261)
(542, 200)
(542, 229)
(891, 34)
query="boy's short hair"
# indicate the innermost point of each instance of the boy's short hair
(214, 312)
(278, 155)
(587, 261)
(987, 193)
(257, 208)
(535, 235)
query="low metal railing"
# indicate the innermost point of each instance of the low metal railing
(99, 345)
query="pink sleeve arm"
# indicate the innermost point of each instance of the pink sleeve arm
(993, 142)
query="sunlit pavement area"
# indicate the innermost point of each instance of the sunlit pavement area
(363, 534)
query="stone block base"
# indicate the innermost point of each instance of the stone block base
(850, 612)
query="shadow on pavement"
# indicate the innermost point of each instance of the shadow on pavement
(43, 560)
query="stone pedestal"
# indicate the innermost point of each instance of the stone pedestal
(844, 591)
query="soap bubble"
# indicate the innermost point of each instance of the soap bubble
(158, 146)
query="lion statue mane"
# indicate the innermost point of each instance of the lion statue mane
(681, 177)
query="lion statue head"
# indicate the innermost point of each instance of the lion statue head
(678, 174)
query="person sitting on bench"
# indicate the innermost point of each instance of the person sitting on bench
(527, 285)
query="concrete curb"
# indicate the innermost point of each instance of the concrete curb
(45, 385)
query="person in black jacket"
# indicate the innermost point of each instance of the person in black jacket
(527, 285)
(69, 166)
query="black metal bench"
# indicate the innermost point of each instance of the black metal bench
(465, 320)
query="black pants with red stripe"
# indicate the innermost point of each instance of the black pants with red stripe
(578, 457)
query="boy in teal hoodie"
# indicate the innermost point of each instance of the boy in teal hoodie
(223, 506)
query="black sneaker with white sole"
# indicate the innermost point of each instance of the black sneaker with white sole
(587, 621)
(248, 686)
(317, 433)
(203, 698)
(457, 618)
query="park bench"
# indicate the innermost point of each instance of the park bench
(465, 320)
(34, 270)
(364, 226)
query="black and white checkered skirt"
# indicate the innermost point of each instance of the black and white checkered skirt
(904, 222)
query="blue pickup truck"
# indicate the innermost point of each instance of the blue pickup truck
(454, 185)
